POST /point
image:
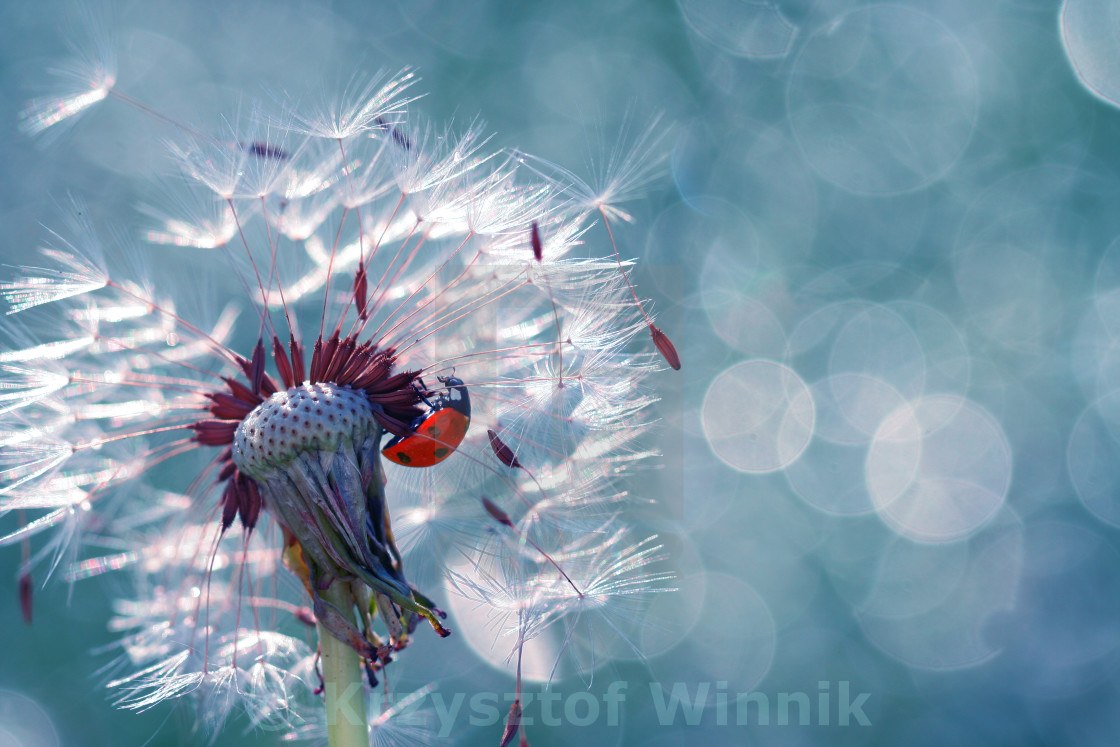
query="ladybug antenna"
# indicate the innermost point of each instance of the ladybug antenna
(420, 389)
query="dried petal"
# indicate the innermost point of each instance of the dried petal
(283, 365)
(214, 432)
(249, 504)
(230, 501)
(256, 367)
(297, 360)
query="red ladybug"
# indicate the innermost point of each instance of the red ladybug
(434, 436)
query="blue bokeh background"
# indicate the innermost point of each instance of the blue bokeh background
(887, 245)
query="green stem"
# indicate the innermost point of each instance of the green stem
(343, 682)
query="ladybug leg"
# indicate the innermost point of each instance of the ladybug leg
(420, 393)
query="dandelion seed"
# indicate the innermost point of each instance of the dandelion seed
(364, 104)
(84, 80)
(76, 276)
(504, 453)
(619, 177)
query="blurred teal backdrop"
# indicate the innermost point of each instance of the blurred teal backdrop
(886, 246)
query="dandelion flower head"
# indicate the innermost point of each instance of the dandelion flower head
(431, 381)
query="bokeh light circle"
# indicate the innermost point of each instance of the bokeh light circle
(481, 631)
(738, 645)
(947, 361)
(914, 578)
(1091, 38)
(672, 617)
(747, 29)
(23, 723)
(1063, 632)
(758, 416)
(1093, 455)
(878, 342)
(849, 409)
(939, 468)
(740, 165)
(972, 593)
(883, 100)
(855, 337)
(748, 325)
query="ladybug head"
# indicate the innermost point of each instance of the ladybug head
(457, 397)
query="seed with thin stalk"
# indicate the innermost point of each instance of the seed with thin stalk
(513, 723)
(503, 518)
(665, 347)
(504, 453)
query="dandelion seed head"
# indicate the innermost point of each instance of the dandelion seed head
(388, 268)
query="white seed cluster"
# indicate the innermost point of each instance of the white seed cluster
(309, 417)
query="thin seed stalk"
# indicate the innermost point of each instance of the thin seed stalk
(343, 683)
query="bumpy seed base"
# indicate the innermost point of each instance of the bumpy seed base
(309, 417)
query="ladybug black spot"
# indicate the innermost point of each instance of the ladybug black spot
(403, 458)
(441, 452)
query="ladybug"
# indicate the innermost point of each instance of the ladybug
(433, 436)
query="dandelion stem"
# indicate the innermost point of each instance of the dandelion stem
(342, 681)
